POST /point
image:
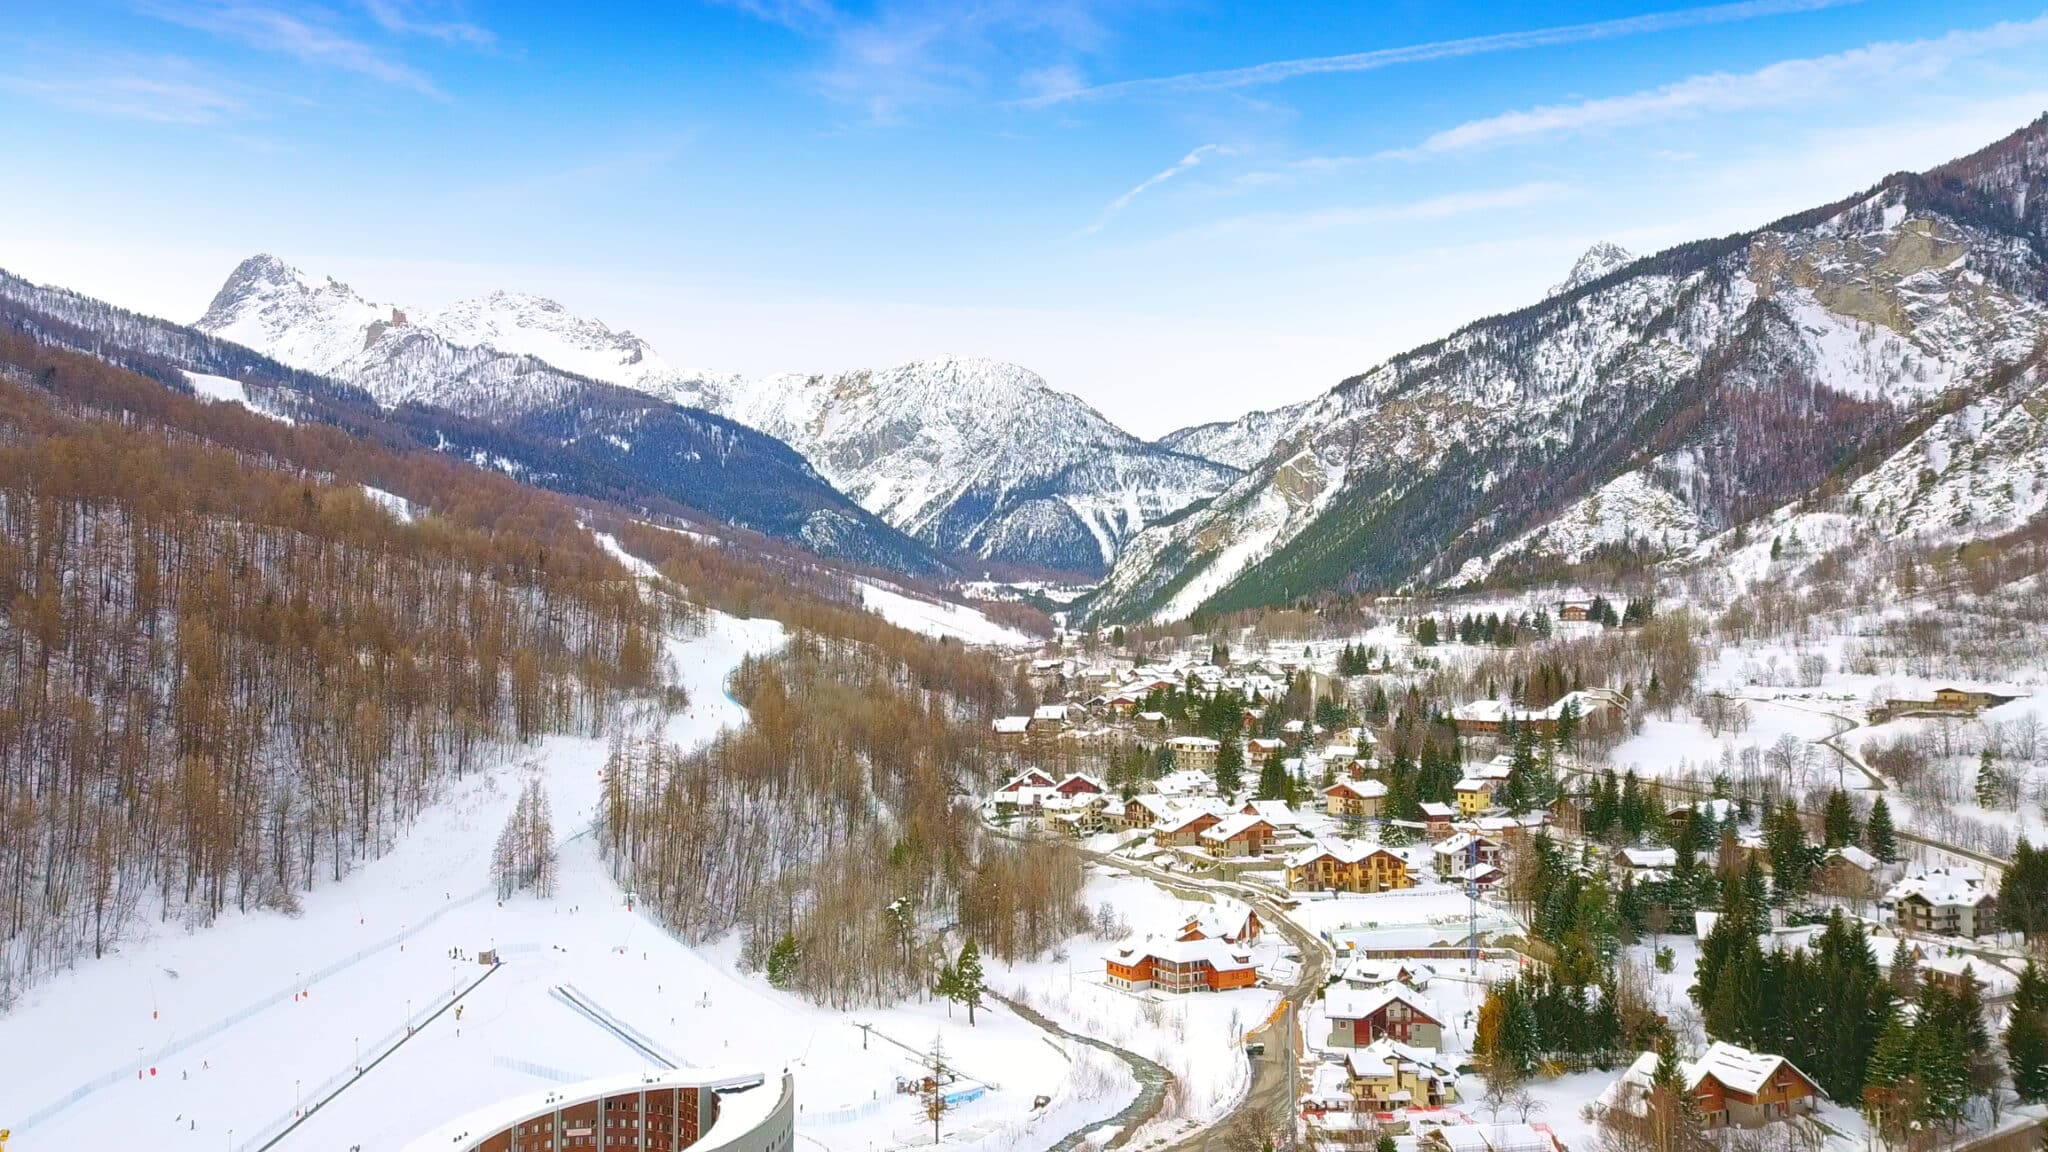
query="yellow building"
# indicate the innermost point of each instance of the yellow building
(1474, 796)
(1346, 866)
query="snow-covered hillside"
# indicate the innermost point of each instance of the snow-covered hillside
(1241, 443)
(217, 1039)
(970, 456)
(1746, 371)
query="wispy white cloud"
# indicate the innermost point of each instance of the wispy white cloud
(1276, 71)
(1153, 181)
(1442, 207)
(158, 90)
(1787, 83)
(913, 53)
(409, 18)
(309, 35)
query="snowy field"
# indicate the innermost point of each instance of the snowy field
(938, 619)
(212, 1039)
(1420, 917)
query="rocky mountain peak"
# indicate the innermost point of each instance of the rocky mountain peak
(1592, 264)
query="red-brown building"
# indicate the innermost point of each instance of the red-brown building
(1180, 966)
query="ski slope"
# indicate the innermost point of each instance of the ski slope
(216, 1038)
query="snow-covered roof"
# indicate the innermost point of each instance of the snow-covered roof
(1346, 1003)
(1470, 784)
(1236, 824)
(1368, 971)
(1274, 812)
(1996, 980)
(1363, 789)
(1219, 955)
(1851, 854)
(1342, 851)
(1084, 778)
(1050, 712)
(1011, 724)
(1458, 842)
(1957, 886)
(1735, 1067)
(1193, 742)
(1665, 858)
(1437, 809)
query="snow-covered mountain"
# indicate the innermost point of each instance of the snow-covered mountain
(1592, 264)
(969, 456)
(1650, 405)
(1241, 443)
(359, 366)
(980, 457)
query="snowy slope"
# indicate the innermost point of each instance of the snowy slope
(1762, 363)
(236, 1027)
(969, 456)
(938, 618)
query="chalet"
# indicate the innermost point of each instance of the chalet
(1258, 748)
(1390, 1075)
(1474, 796)
(1340, 756)
(1080, 784)
(1274, 812)
(1649, 863)
(1144, 811)
(1346, 866)
(1951, 901)
(1184, 828)
(1360, 799)
(1576, 611)
(1461, 850)
(1598, 709)
(1231, 921)
(1731, 1087)
(1049, 719)
(1154, 721)
(1238, 835)
(1180, 966)
(1368, 972)
(1437, 817)
(1359, 1016)
(1032, 778)
(1850, 871)
(1995, 983)
(1010, 729)
(1195, 752)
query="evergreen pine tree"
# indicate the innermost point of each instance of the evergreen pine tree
(1878, 835)
(1229, 766)
(1990, 786)
(782, 962)
(2026, 1036)
(1838, 822)
(967, 976)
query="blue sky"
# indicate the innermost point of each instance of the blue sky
(1177, 211)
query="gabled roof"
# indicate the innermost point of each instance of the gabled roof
(1958, 886)
(1650, 857)
(1219, 955)
(1342, 851)
(1236, 824)
(1342, 1003)
(1469, 784)
(1274, 812)
(1009, 725)
(1094, 783)
(1363, 789)
(1437, 809)
(1733, 1067)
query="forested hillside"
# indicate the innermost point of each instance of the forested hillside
(227, 672)
(829, 831)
